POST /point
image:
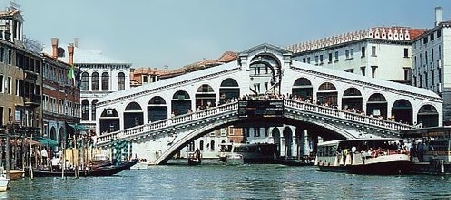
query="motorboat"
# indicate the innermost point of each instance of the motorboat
(364, 156)
(234, 159)
(194, 158)
(4, 182)
(251, 153)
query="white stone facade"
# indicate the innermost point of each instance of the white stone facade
(432, 62)
(383, 53)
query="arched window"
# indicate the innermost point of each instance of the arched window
(105, 80)
(85, 110)
(93, 109)
(95, 81)
(84, 81)
(121, 81)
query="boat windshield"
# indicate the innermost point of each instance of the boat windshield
(364, 145)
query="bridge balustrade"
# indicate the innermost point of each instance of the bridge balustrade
(233, 106)
(189, 117)
(343, 114)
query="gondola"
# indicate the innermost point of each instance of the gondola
(98, 171)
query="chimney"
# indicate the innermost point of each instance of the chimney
(438, 15)
(70, 49)
(76, 42)
(54, 48)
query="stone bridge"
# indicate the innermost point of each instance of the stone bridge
(324, 102)
(169, 136)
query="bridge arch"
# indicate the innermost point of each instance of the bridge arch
(267, 60)
(157, 109)
(302, 88)
(376, 105)
(133, 115)
(402, 111)
(205, 97)
(228, 90)
(181, 103)
(428, 116)
(108, 121)
(327, 94)
(352, 100)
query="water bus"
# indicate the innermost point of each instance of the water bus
(430, 149)
(250, 153)
(363, 156)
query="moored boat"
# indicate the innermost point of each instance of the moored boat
(251, 153)
(16, 174)
(430, 149)
(364, 156)
(4, 183)
(108, 170)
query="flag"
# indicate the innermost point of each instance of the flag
(70, 74)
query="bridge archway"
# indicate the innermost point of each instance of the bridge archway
(205, 97)
(327, 94)
(157, 109)
(428, 116)
(108, 121)
(377, 106)
(181, 102)
(352, 100)
(229, 90)
(133, 115)
(288, 135)
(302, 88)
(402, 111)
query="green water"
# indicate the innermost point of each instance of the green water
(232, 182)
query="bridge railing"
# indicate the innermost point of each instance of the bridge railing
(302, 105)
(200, 114)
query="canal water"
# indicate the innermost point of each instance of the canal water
(232, 182)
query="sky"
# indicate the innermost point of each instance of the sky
(175, 33)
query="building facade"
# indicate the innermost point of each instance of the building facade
(381, 52)
(60, 94)
(20, 79)
(432, 62)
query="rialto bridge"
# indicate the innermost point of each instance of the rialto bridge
(161, 118)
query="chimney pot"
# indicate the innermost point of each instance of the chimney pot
(54, 42)
(70, 49)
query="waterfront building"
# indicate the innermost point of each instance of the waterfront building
(20, 78)
(379, 52)
(60, 93)
(432, 62)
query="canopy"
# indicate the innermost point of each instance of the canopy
(78, 127)
(47, 142)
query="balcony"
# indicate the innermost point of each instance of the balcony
(32, 100)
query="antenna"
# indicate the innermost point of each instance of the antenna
(13, 5)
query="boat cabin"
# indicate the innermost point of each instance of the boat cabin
(429, 144)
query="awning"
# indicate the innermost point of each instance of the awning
(47, 142)
(78, 127)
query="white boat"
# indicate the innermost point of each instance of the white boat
(3, 180)
(251, 153)
(234, 159)
(363, 156)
